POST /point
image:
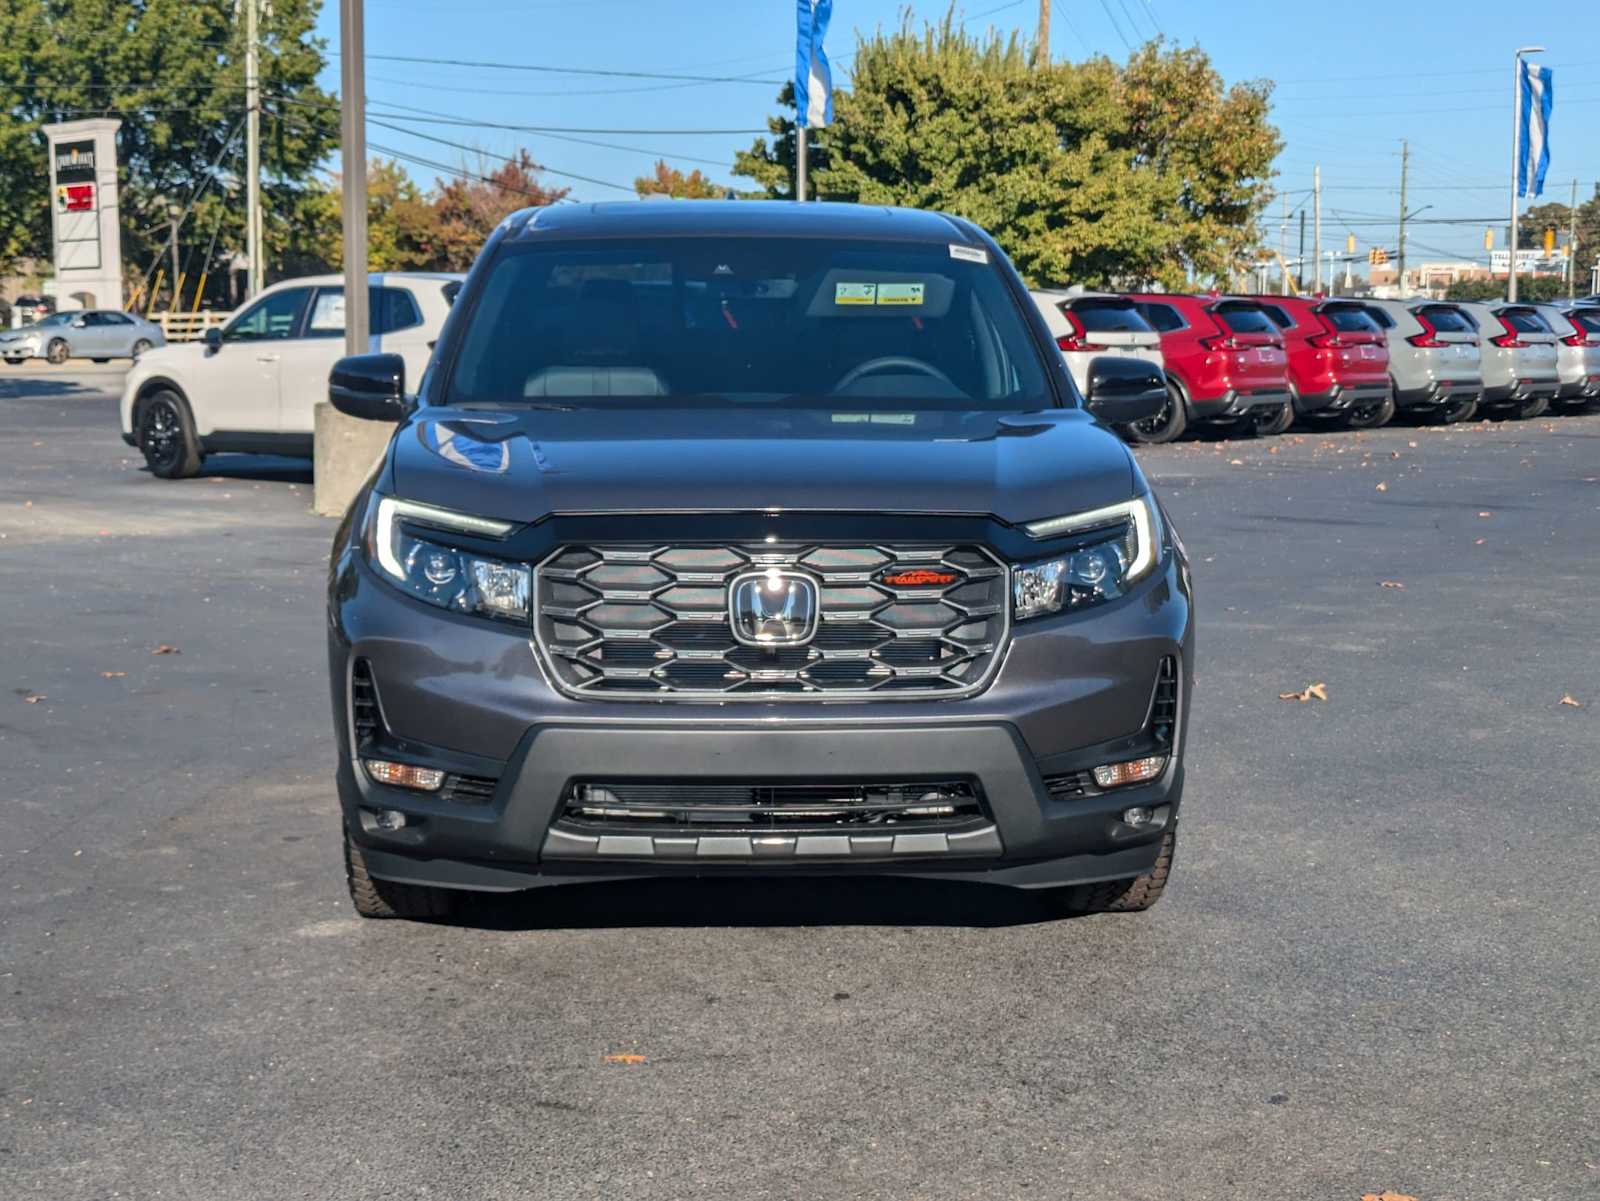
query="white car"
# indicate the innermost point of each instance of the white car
(252, 386)
(1087, 325)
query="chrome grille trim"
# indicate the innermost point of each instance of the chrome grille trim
(662, 606)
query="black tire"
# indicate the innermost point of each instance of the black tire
(1164, 426)
(377, 898)
(1527, 410)
(139, 347)
(56, 352)
(1125, 896)
(1372, 416)
(1458, 411)
(1268, 422)
(166, 437)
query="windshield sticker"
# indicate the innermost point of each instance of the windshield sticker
(874, 418)
(968, 254)
(855, 293)
(900, 293)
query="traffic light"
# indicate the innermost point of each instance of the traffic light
(1549, 241)
(1488, 239)
(1377, 256)
(1350, 244)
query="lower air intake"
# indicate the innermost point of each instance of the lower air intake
(754, 805)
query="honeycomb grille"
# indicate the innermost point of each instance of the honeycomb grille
(651, 622)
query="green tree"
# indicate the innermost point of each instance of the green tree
(1093, 173)
(1529, 287)
(173, 70)
(669, 181)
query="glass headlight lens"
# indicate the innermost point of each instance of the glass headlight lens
(443, 575)
(1101, 569)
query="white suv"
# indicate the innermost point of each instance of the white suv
(1086, 325)
(251, 386)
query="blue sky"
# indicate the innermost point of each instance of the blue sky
(1352, 80)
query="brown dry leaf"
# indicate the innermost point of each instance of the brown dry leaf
(1391, 584)
(112, 675)
(1383, 487)
(1479, 541)
(164, 649)
(33, 698)
(1317, 691)
(1387, 1196)
(1485, 513)
(1236, 462)
(629, 1059)
(1568, 699)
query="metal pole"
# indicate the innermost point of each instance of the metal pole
(353, 144)
(1572, 244)
(252, 136)
(1300, 261)
(1316, 192)
(1400, 249)
(799, 162)
(1283, 249)
(173, 214)
(1516, 138)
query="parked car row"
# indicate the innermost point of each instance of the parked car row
(1258, 362)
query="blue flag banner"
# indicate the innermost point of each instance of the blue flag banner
(813, 79)
(1533, 151)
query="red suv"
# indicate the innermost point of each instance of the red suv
(1225, 363)
(1338, 359)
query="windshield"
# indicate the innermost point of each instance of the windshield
(750, 322)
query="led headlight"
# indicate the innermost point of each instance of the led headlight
(443, 575)
(1121, 544)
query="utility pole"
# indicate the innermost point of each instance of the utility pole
(1300, 262)
(1283, 249)
(1316, 200)
(252, 154)
(1041, 49)
(353, 144)
(1400, 250)
(1572, 244)
(174, 216)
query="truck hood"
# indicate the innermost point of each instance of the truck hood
(521, 465)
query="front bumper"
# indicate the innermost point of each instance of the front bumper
(469, 697)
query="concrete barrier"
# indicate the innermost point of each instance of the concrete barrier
(347, 449)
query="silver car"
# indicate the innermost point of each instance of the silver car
(1519, 356)
(1577, 330)
(1087, 325)
(98, 334)
(1434, 359)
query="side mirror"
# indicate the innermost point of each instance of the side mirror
(370, 386)
(1122, 391)
(212, 338)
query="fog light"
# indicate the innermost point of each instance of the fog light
(1137, 818)
(1115, 775)
(389, 819)
(405, 775)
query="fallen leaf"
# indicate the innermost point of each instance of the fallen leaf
(629, 1059)
(1479, 541)
(1318, 691)
(1236, 462)
(1383, 487)
(1391, 584)
(1569, 699)
(30, 696)
(1387, 1196)
(112, 675)
(1485, 513)
(164, 649)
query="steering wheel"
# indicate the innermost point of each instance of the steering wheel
(888, 363)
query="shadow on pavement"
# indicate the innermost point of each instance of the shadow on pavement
(42, 388)
(257, 468)
(742, 902)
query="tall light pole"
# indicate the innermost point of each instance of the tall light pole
(1316, 200)
(252, 153)
(1516, 137)
(353, 144)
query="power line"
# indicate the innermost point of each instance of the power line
(1110, 16)
(605, 183)
(543, 68)
(476, 122)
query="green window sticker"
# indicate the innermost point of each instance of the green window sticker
(855, 293)
(900, 293)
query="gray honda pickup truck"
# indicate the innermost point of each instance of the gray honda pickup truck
(738, 538)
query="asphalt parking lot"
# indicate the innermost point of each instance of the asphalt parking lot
(1374, 970)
